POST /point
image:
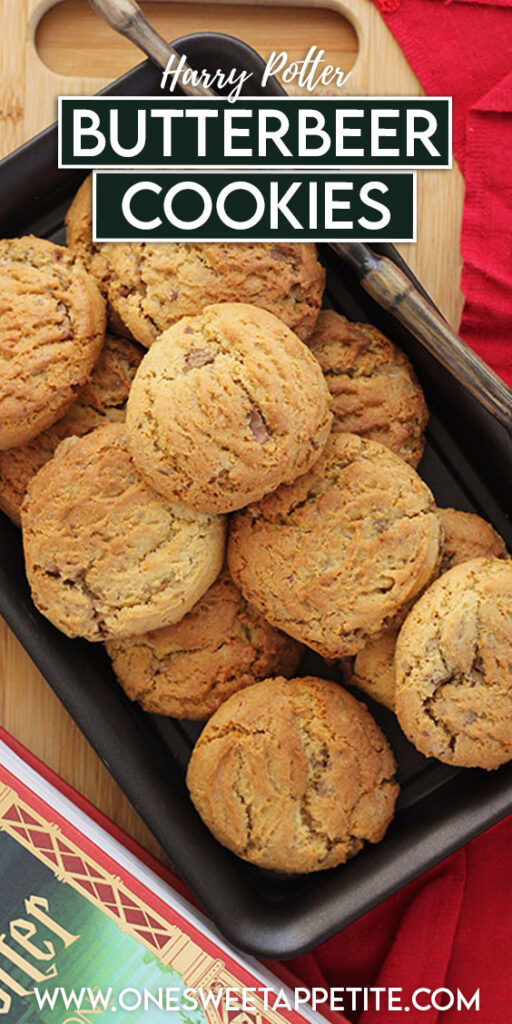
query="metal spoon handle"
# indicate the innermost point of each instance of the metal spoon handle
(391, 288)
(126, 17)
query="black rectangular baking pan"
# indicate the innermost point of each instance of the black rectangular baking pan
(468, 464)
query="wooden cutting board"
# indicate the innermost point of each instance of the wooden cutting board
(60, 47)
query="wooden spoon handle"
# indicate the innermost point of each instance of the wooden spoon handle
(126, 17)
(391, 288)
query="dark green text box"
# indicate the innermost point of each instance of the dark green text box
(213, 206)
(185, 132)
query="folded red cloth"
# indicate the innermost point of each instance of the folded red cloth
(451, 928)
(464, 50)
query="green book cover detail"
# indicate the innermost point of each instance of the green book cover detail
(54, 940)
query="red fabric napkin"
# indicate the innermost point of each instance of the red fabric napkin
(464, 50)
(449, 929)
(453, 927)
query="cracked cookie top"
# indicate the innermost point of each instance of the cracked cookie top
(225, 407)
(90, 254)
(189, 669)
(101, 400)
(336, 558)
(293, 775)
(105, 555)
(453, 667)
(466, 536)
(153, 286)
(375, 392)
(149, 286)
(78, 222)
(52, 328)
(374, 669)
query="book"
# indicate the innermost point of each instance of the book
(90, 932)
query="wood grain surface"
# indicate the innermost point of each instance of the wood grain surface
(50, 48)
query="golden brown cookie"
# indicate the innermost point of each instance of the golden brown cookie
(453, 667)
(105, 555)
(90, 254)
(293, 775)
(467, 536)
(78, 221)
(101, 400)
(188, 670)
(374, 669)
(52, 328)
(337, 558)
(151, 286)
(375, 392)
(225, 407)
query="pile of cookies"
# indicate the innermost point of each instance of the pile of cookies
(212, 474)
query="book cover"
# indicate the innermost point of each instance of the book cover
(88, 931)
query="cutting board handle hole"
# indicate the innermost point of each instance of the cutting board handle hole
(72, 41)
